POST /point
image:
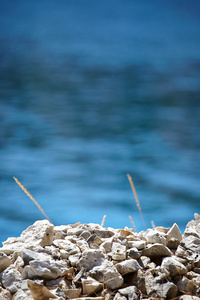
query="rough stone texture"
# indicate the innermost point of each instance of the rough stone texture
(128, 266)
(11, 279)
(5, 262)
(87, 261)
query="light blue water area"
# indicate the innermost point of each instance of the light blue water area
(91, 91)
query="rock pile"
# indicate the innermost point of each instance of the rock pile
(87, 261)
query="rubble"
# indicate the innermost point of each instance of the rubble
(87, 261)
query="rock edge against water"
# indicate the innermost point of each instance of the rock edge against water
(87, 261)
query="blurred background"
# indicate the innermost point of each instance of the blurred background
(90, 91)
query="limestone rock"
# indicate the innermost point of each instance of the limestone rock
(186, 286)
(48, 269)
(90, 259)
(173, 266)
(68, 247)
(156, 250)
(188, 297)
(153, 236)
(137, 244)
(118, 251)
(11, 279)
(40, 233)
(118, 296)
(29, 255)
(130, 292)
(191, 243)
(127, 266)
(39, 291)
(72, 293)
(175, 232)
(90, 285)
(5, 262)
(107, 274)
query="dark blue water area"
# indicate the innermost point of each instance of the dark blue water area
(93, 90)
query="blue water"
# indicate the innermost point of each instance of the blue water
(91, 91)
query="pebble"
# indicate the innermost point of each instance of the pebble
(87, 261)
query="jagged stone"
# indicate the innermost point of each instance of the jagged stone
(133, 253)
(107, 274)
(159, 289)
(175, 232)
(186, 286)
(5, 294)
(191, 243)
(127, 266)
(29, 255)
(118, 251)
(193, 228)
(21, 295)
(48, 269)
(90, 285)
(173, 266)
(5, 262)
(156, 250)
(90, 259)
(11, 279)
(130, 292)
(40, 233)
(68, 248)
(154, 236)
(118, 296)
(137, 244)
(39, 291)
(72, 293)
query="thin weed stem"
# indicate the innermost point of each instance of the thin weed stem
(136, 199)
(31, 197)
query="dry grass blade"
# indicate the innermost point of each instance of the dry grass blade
(103, 220)
(153, 224)
(136, 199)
(133, 224)
(31, 197)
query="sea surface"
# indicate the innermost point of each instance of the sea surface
(89, 92)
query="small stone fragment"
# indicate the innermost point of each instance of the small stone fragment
(127, 266)
(72, 293)
(173, 266)
(48, 269)
(90, 285)
(130, 292)
(90, 259)
(11, 279)
(118, 251)
(156, 250)
(175, 232)
(5, 262)
(153, 236)
(39, 291)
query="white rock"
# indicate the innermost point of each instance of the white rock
(11, 279)
(5, 262)
(153, 236)
(107, 274)
(156, 250)
(137, 244)
(90, 285)
(118, 251)
(39, 291)
(73, 259)
(130, 291)
(127, 266)
(72, 293)
(175, 232)
(173, 266)
(48, 269)
(191, 243)
(29, 255)
(90, 259)
(69, 247)
(40, 233)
